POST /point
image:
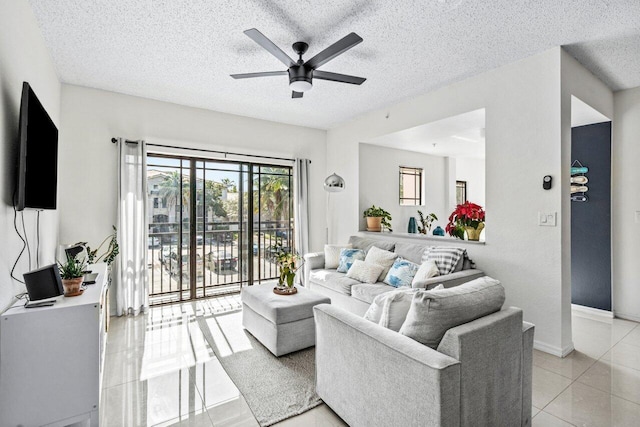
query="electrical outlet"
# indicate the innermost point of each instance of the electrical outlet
(547, 219)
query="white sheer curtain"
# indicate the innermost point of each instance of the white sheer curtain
(301, 209)
(132, 293)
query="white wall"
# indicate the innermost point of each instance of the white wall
(575, 81)
(523, 143)
(472, 171)
(379, 184)
(23, 57)
(625, 204)
(88, 160)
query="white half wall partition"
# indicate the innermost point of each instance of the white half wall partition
(523, 143)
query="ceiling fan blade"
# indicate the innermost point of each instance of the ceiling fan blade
(334, 50)
(270, 46)
(295, 94)
(263, 74)
(335, 77)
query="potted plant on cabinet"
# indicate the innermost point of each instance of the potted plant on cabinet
(109, 255)
(377, 219)
(467, 217)
(71, 273)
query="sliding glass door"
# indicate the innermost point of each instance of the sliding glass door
(213, 225)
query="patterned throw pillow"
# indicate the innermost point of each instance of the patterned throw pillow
(381, 257)
(347, 256)
(446, 259)
(401, 273)
(365, 272)
(332, 255)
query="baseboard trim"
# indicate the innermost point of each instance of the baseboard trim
(552, 349)
(625, 316)
(596, 313)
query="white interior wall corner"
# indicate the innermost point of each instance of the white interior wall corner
(625, 152)
(579, 82)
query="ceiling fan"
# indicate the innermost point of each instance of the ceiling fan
(301, 74)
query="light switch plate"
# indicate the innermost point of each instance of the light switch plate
(547, 219)
(637, 217)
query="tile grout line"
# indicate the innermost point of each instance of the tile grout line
(573, 381)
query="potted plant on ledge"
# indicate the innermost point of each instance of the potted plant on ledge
(377, 218)
(426, 221)
(467, 217)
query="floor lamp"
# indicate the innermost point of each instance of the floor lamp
(332, 184)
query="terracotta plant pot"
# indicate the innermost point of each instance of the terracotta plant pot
(72, 286)
(374, 223)
(474, 233)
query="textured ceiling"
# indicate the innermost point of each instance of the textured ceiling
(183, 51)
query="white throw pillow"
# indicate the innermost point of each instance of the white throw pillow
(366, 272)
(383, 258)
(426, 271)
(390, 309)
(332, 255)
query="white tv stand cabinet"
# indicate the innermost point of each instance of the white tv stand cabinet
(51, 359)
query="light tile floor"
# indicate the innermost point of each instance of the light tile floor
(159, 371)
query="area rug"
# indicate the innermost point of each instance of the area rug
(275, 388)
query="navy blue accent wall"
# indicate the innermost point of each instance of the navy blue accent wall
(591, 221)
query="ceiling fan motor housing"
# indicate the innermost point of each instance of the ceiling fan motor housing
(299, 73)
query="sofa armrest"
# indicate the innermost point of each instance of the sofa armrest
(312, 261)
(527, 371)
(453, 279)
(372, 376)
(490, 352)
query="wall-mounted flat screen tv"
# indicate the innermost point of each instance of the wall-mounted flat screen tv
(38, 159)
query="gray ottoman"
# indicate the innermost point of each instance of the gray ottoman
(282, 323)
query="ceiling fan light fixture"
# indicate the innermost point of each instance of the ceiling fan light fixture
(300, 85)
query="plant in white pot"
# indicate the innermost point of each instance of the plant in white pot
(377, 219)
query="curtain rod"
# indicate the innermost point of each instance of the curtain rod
(114, 140)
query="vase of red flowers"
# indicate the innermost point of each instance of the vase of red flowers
(467, 217)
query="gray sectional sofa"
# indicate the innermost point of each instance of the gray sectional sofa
(355, 296)
(477, 373)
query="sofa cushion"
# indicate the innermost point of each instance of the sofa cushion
(432, 313)
(331, 279)
(366, 272)
(365, 243)
(347, 257)
(411, 251)
(448, 260)
(367, 292)
(332, 255)
(401, 273)
(426, 271)
(381, 257)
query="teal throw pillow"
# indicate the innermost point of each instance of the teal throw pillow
(401, 273)
(347, 257)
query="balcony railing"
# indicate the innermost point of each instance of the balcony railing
(223, 255)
